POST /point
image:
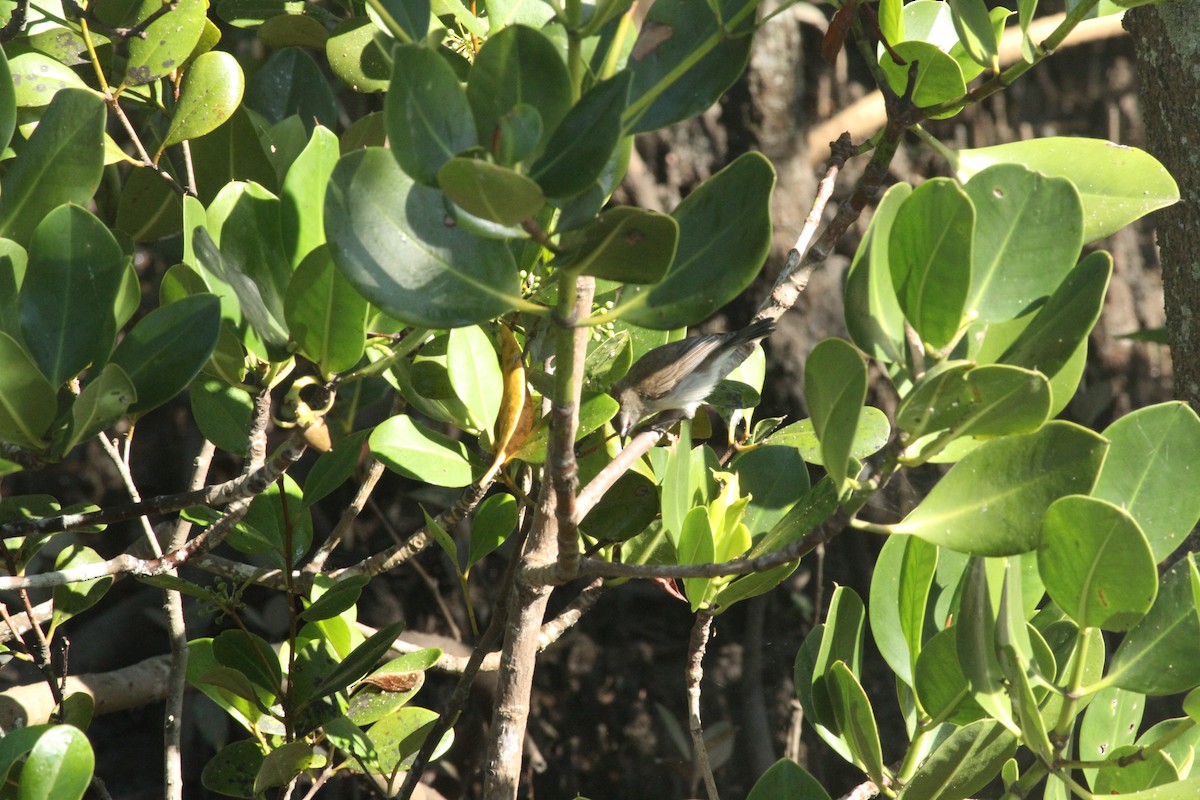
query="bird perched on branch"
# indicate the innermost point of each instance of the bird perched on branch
(681, 375)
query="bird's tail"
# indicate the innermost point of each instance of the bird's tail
(749, 336)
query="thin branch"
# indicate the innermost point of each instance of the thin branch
(694, 674)
(121, 461)
(346, 520)
(221, 494)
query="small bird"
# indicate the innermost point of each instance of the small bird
(681, 375)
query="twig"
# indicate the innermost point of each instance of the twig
(121, 461)
(701, 629)
(221, 494)
(346, 520)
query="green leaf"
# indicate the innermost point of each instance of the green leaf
(66, 304)
(291, 83)
(59, 765)
(1117, 184)
(389, 238)
(1028, 233)
(1151, 448)
(1064, 322)
(685, 57)
(326, 316)
(939, 76)
(871, 435)
(72, 599)
(101, 403)
(873, 315)
(475, 375)
(357, 57)
(361, 661)
(167, 347)
(841, 641)
(939, 683)
(268, 528)
(1145, 771)
(252, 656)
(340, 597)
(211, 92)
(231, 771)
(975, 31)
(1155, 657)
(582, 144)
(333, 468)
(8, 103)
(302, 213)
(835, 386)
(36, 78)
(223, 413)
(231, 152)
(494, 520)
(724, 236)
(982, 605)
(696, 546)
(786, 778)
(428, 118)
(61, 163)
(399, 736)
(293, 30)
(900, 586)
(964, 763)
(1110, 721)
(167, 42)
(517, 66)
(411, 16)
(856, 718)
(1096, 563)
(992, 501)
(930, 248)
(284, 763)
(625, 244)
(774, 477)
(490, 191)
(416, 452)
(149, 208)
(27, 400)
(252, 13)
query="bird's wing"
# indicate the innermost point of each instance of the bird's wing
(699, 349)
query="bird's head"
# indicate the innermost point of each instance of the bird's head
(630, 412)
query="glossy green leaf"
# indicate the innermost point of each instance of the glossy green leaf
(27, 400)
(37, 77)
(1028, 233)
(625, 244)
(475, 375)
(252, 13)
(336, 599)
(232, 152)
(1156, 656)
(356, 56)
(231, 771)
(981, 605)
(930, 249)
(399, 736)
(303, 195)
(975, 31)
(410, 16)
(518, 65)
(490, 191)
(61, 163)
(293, 30)
(992, 501)
(939, 77)
(419, 453)
(1096, 563)
(284, 763)
(201, 662)
(1144, 772)
(149, 208)
(873, 315)
(425, 383)
(582, 144)
(1064, 322)
(326, 316)
(774, 477)
(1117, 184)
(805, 677)
(1110, 721)
(59, 763)
(269, 527)
(932, 21)
(494, 520)
(211, 92)
(963, 764)
(786, 778)
(941, 687)
(334, 468)
(835, 388)
(361, 661)
(72, 599)
(222, 413)
(625, 510)
(8, 103)
(250, 655)
(427, 115)
(840, 642)
(102, 402)
(167, 348)
(724, 236)
(1151, 448)
(871, 435)
(900, 587)
(66, 303)
(685, 57)
(291, 83)
(168, 40)
(696, 546)
(854, 714)
(389, 238)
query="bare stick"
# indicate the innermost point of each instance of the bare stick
(694, 675)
